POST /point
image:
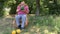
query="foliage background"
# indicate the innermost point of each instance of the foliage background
(46, 7)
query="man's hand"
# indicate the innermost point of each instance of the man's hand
(17, 10)
(25, 11)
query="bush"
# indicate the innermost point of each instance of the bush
(1, 13)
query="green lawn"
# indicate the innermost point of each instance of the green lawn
(37, 25)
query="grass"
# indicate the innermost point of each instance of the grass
(37, 25)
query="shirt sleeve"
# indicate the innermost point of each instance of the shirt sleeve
(18, 8)
(27, 8)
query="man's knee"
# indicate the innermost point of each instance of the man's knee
(24, 17)
(17, 16)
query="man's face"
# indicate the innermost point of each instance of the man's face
(23, 3)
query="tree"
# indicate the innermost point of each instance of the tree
(1, 7)
(37, 7)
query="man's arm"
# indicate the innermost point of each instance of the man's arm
(18, 8)
(26, 10)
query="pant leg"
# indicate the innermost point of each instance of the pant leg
(23, 21)
(17, 18)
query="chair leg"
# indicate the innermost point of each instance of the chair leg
(14, 24)
(26, 24)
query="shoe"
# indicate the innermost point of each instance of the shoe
(19, 26)
(22, 28)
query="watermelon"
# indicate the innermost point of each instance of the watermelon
(22, 8)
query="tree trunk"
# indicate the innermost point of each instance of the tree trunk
(37, 7)
(1, 8)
